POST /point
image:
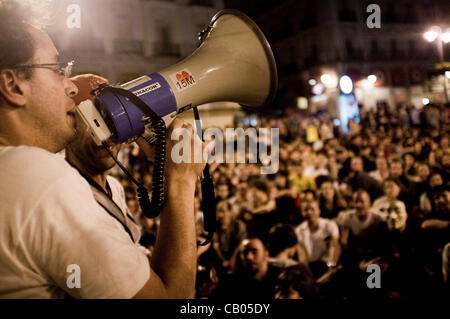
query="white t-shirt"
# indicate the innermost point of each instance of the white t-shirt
(316, 244)
(49, 220)
(118, 197)
(363, 229)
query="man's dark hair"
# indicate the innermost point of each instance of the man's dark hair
(313, 192)
(396, 160)
(298, 278)
(323, 179)
(16, 43)
(441, 188)
(393, 180)
(281, 236)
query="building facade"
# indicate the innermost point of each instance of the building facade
(315, 38)
(122, 39)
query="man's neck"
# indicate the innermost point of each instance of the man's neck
(313, 225)
(363, 218)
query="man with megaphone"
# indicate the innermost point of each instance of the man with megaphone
(56, 240)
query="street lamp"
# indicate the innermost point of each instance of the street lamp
(445, 37)
(435, 33)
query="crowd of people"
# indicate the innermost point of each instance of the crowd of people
(378, 195)
(364, 213)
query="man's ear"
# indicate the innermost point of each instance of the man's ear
(12, 88)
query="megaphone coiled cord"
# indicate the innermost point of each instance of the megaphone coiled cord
(152, 209)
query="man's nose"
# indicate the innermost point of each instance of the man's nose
(71, 89)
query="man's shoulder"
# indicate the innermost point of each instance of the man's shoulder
(28, 172)
(302, 227)
(325, 222)
(348, 213)
(28, 159)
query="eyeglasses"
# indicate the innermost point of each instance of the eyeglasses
(63, 68)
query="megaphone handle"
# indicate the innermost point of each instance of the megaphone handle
(209, 205)
(208, 196)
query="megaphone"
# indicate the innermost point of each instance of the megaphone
(234, 63)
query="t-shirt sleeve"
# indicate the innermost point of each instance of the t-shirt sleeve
(67, 227)
(333, 228)
(344, 221)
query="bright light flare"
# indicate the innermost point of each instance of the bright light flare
(366, 84)
(445, 37)
(346, 84)
(430, 36)
(328, 80)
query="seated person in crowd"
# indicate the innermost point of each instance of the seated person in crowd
(282, 246)
(427, 196)
(319, 237)
(230, 233)
(296, 282)
(254, 278)
(396, 170)
(436, 227)
(358, 179)
(206, 280)
(393, 208)
(382, 171)
(298, 179)
(330, 202)
(286, 199)
(360, 227)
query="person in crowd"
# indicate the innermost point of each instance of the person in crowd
(357, 164)
(286, 199)
(296, 282)
(297, 179)
(254, 277)
(436, 227)
(382, 171)
(394, 209)
(94, 164)
(358, 179)
(206, 280)
(361, 228)
(282, 246)
(421, 181)
(319, 237)
(318, 167)
(396, 170)
(409, 160)
(230, 233)
(330, 201)
(222, 192)
(426, 197)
